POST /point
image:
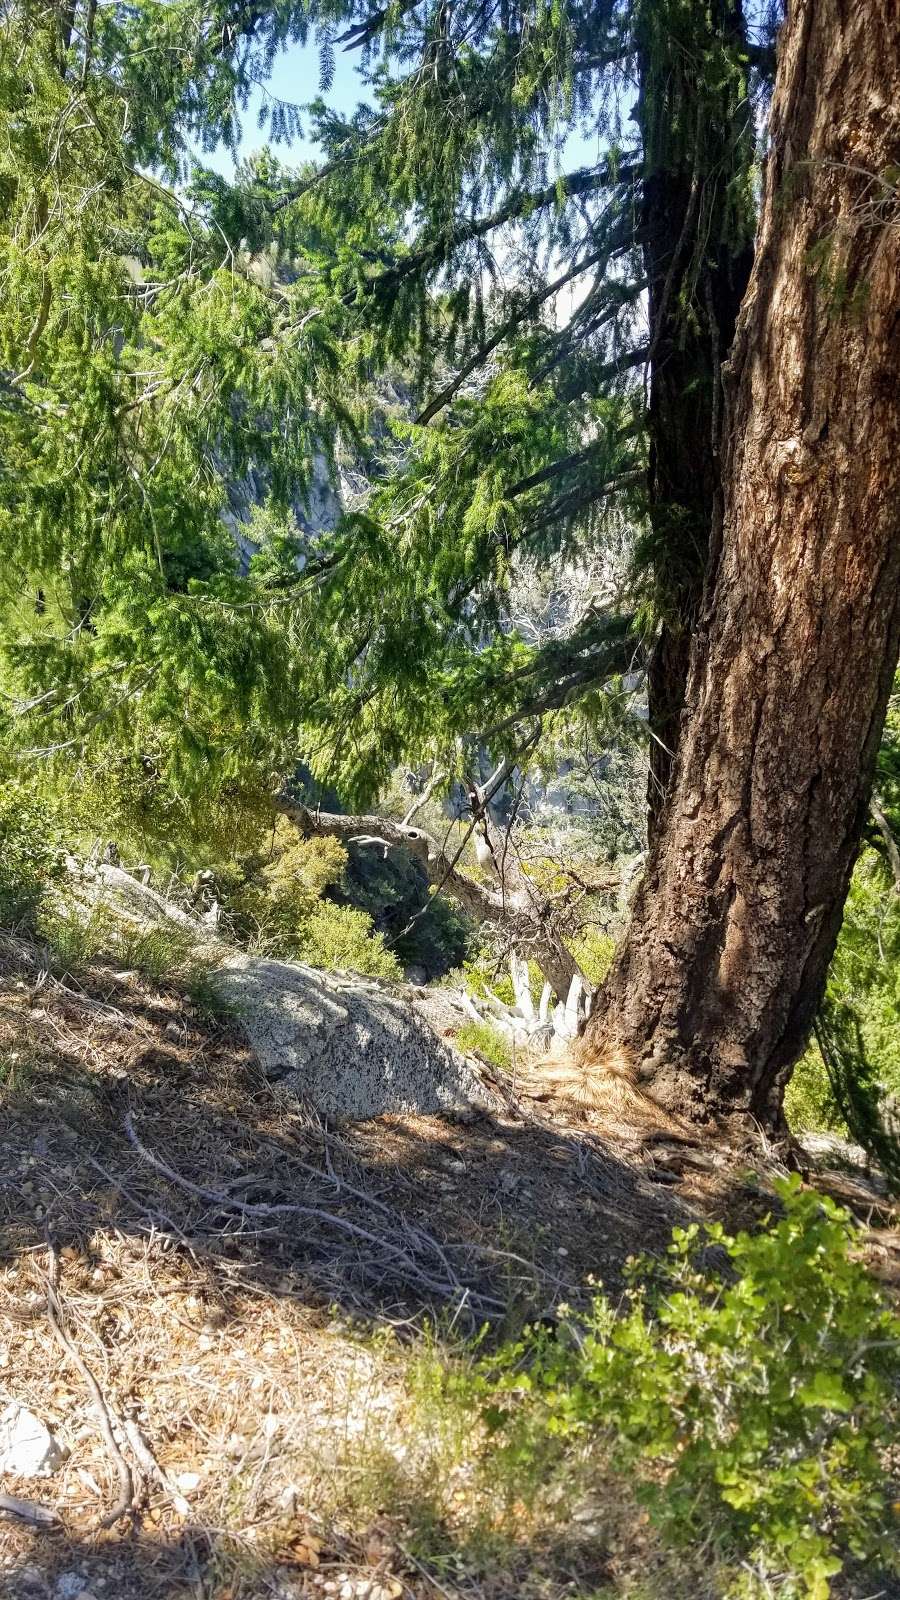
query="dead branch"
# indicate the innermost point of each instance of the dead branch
(29, 1511)
(890, 843)
(127, 1487)
(422, 799)
(515, 907)
(402, 1261)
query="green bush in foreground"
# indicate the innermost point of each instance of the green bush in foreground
(752, 1412)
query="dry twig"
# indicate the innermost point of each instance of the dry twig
(55, 1317)
(401, 1261)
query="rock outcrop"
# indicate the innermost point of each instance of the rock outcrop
(348, 1046)
(27, 1448)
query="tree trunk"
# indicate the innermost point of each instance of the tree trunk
(716, 986)
(697, 224)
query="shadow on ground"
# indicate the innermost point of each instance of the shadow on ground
(199, 1566)
(224, 1264)
(125, 1110)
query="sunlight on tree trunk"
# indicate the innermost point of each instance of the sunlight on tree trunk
(716, 986)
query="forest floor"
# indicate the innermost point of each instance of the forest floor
(239, 1306)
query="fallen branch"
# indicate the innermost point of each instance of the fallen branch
(151, 1468)
(29, 1511)
(403, 1262)
(127, 1488)
(516, 909)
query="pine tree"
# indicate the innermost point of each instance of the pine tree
(716, 987)
(531, 434)
(147, 362)
(561, 335)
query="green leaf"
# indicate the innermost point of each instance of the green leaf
(825, 1390)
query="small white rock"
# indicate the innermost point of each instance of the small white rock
(27, 1448)
(70, 1586)
(31, 1577)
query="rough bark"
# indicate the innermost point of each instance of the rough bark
(526, 920)
(698, 252)
(719, 978)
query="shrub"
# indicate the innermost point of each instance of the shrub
(809, 1103)
(487, 1041)
(484, 975)
(30, 852)
(865, 971)
(863, 982)
(283, 900)
(341, 938)
(425, 929)
(163, 952)
(283, 888)
(752, 1412)
(73, 937)
(129, 796)
(594, 951)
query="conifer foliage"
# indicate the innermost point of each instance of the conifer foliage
(166, 332)
(507, 287)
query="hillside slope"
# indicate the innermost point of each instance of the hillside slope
(227, 1291)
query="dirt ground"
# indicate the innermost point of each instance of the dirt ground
(207, 1297)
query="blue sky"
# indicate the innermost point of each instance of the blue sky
(295, 77)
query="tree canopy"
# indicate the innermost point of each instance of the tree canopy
(167, 331)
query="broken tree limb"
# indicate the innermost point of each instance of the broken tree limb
(30, 1511)
(127, 1486)
(515, 907)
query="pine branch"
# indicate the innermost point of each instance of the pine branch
(522, 203)
(597, 309)
(578, 458)
(568, 669)
(525, 311)
(569, 505)
(362, 33)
